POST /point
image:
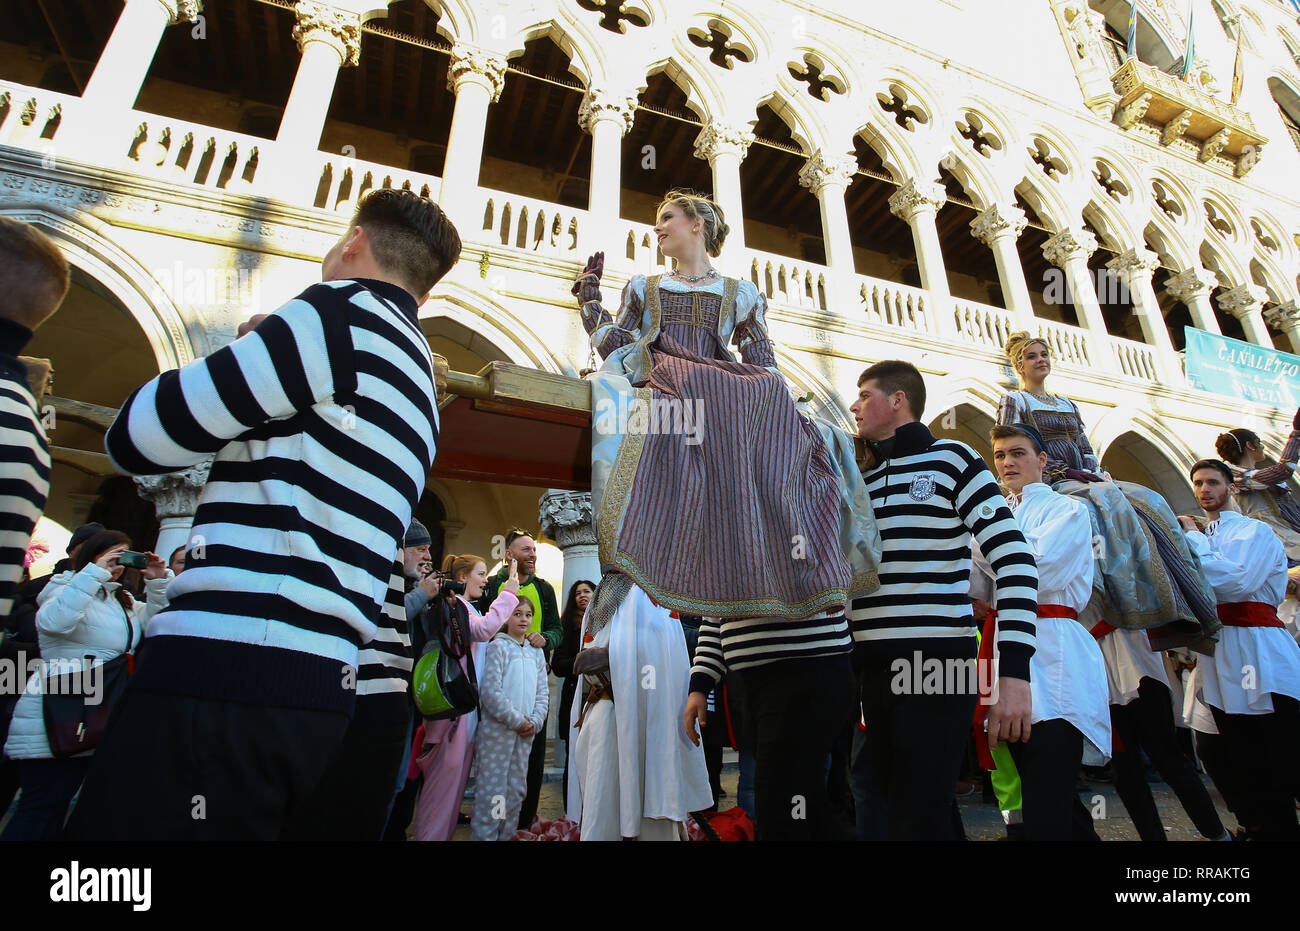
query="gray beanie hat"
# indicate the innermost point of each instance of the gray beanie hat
(417, 535)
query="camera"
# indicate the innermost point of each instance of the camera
(133, 560)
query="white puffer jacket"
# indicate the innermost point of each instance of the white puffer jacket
(79, 616)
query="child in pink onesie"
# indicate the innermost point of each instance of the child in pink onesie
(513, 696)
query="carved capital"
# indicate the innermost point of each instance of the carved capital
(469, 63)
(1069, 245)
(175, 494)
(602, 104)
(1283, 316)
(1135, 265)
(915, 197)
(1190, 284)
(182, 11)
(1242, 301)
(565, 517)
(717, 138)
(819, 171)
(995, 222)
(320, 22)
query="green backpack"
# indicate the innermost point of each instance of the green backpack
(440, 687)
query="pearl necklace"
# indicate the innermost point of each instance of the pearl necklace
(711, 273)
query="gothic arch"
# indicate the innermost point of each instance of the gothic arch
(1233, 272)
(1167, 468)
(494, 322)
(1115, 226)
(1047, 202)
(86, 242)
(951, 391)
(827, 400)
(804, 126)
(899, 159)
(1155, 43)
(976, 178)
(586, 57)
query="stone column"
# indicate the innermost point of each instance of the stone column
(725, 147)
(1193, 288)
(1286, 317)
(477, 78)
(917, 203)
(120, 72)
(566, 517)
(1245, 302)
(829, 179)
(329, 38)
(175, 498)
(1135, 268)
(608, 116)
(999, 228)
(1069, 250)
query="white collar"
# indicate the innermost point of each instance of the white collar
(1032, 490)
(1231, 517)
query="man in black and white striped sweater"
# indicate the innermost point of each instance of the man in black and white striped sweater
(33, 281)
(324, 422)
(915, 635)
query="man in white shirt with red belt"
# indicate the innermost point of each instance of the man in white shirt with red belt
(1070, 720)
(1252, 684)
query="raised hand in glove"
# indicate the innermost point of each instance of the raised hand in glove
(586, 287)
(1079, 475)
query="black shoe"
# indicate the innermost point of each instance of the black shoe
(462, 818)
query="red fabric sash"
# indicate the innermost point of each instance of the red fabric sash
(1102, 628)
(1249, 614)
(986, 656)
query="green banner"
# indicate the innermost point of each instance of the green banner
(1242, 370)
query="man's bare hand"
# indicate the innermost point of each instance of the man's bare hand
(1010, 715)
(697, 705)
(249, 325)
(1190, 524)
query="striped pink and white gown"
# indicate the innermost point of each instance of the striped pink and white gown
(746, 522)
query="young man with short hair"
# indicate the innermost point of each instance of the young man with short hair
(1252, 683)
(324, 424)
(1070, 720)
(930, 497)
(545, 633)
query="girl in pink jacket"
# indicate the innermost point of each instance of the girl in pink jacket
(448, 747)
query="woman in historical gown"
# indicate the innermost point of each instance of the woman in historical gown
(1264, 493)
(1147, 577)
(712, 494)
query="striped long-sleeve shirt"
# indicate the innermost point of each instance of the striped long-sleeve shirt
(744, 643)
(324, 424)
(930, 496)
(24, 463)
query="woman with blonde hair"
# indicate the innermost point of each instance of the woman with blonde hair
(713, 495)
(447, 749)
(1262, 491)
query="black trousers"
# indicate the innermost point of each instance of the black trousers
(794, 710)
(536, 770)
(352, 799)
(1264, 750)
(1049, 768)
(172, 767)
(1147, 723)
(1210, 749)
(914, 746)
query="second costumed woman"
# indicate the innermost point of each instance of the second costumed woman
(713, 496)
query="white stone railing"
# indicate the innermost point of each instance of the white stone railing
(894, 306)
(537, 226)
(342, 180)
(788, 281)
(1136, 360)
(1068, 344)
(176, 150)
(30, 118)
(982, 324)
